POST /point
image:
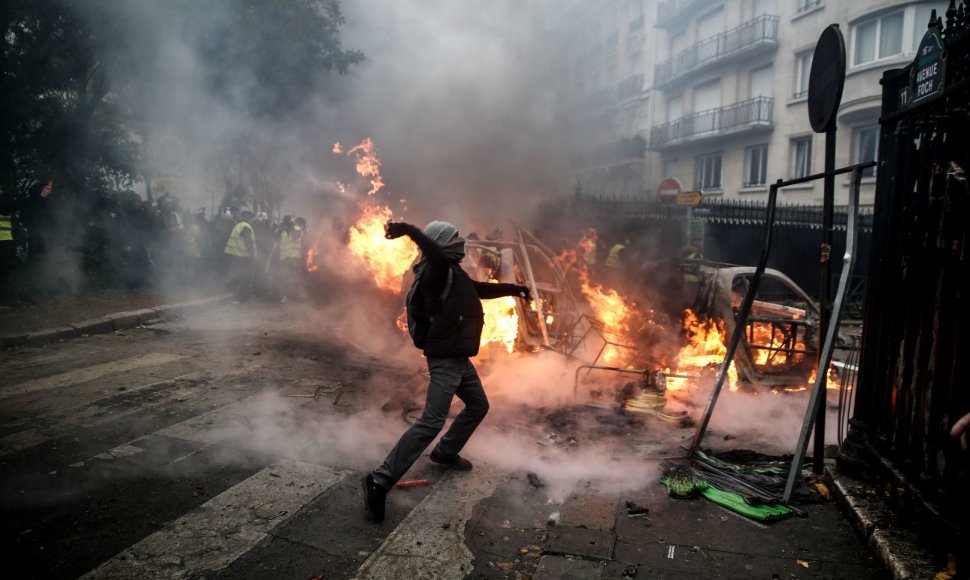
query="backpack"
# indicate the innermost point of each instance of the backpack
(419, 319)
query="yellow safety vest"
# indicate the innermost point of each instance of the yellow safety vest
(236, 246)
(6, 228)
(192, 246)
(291, 244)
(689, 276)
(589, 250)
(613, 260)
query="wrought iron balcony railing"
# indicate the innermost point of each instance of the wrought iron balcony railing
(760, 32)
(746, 115)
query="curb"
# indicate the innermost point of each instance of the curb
(897, 549)
(110, 322)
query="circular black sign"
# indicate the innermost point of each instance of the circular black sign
(826, 79)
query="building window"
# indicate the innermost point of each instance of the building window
(878, 38)
(709, 172)
(806, 5)
(865, 147)
(803, 69)
(756, 165)
(670, 168)
(801, 157)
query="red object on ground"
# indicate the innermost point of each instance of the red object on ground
(412, 483)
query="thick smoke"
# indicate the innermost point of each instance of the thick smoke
(461, 99)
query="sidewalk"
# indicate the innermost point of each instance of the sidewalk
(92, 312)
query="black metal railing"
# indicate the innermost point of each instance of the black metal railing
(752, 113)
(630, 87)
(759, 32)
(913, 374)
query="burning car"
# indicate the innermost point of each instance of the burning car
(781, 334)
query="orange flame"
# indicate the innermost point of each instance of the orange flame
(706, 346)
(615, 315)
(387, 260)
(311, 255)
(501, 322)
(368, 165)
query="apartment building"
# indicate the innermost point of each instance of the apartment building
(725, 93)
(608, 71)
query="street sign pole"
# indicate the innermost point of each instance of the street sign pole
(825, 84)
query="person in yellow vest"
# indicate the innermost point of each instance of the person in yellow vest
(688, 255)
(587, 249)
(12, 251)
(291, 258)
(616, 263)
(195, 244)
(241, 251)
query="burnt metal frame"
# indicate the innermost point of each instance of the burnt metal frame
(755, 280)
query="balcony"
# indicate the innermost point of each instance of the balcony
(743, 117)
(629, 88)
(758, 34)
(672, 13)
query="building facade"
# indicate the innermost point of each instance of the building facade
(723, 104)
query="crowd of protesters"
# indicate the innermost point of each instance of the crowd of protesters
(125, 241)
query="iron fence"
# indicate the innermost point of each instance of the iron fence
(913, 375)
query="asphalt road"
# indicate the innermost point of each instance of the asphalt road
(230, 444)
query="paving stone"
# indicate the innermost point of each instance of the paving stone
(565, 568)
(582, 542)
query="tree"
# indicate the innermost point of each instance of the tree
(84, 82)
(60, 119)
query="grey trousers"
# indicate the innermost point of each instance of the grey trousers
(449, 377)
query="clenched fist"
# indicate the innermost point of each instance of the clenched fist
(394, 230)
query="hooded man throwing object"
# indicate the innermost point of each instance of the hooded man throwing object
(452, 299)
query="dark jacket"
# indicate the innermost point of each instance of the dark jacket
(457, 327)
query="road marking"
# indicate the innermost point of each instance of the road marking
(92, 414)
(126, 450)
(432, 536)
(264, 412)
(87, 374)
(224, 528)
(670, 552)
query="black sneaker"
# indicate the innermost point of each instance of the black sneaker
(374, 496)
(454, 462)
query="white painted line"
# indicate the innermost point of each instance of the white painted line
(670, 552)
(63, 420)
(432, 536)
(126, 450)
(86, 374)
(237, 420)
(221, 530)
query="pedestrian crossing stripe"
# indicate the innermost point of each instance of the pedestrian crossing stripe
(221, 530)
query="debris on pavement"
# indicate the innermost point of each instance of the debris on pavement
(633, 510)
(553, 519)
(411, 483)
(534, 480)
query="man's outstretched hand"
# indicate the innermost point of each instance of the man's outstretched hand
(394, 230)
(524, 292)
